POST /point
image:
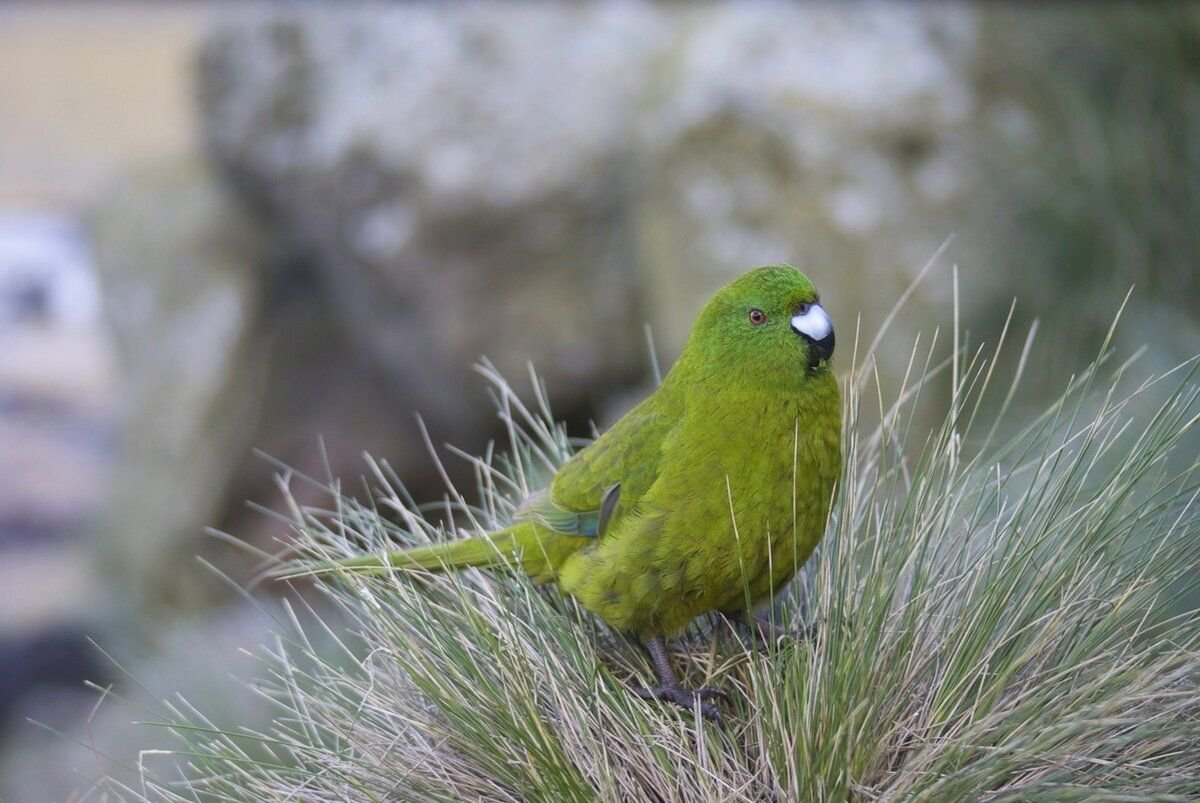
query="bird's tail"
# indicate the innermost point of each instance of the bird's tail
(523, 545)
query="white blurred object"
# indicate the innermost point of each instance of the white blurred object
(46, 275)
(56, 399)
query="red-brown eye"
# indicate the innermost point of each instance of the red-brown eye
(758, 317)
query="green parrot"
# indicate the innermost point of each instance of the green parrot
(707, 496)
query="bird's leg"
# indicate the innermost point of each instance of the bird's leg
(766, 629)
(670, 688)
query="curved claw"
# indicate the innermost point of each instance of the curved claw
(686, 698)
(672, 690)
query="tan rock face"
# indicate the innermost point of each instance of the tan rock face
(830, 137)
(536, 181)
(182, 273)
(460, 178)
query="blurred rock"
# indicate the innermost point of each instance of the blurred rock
(55, 378)
(56, 421)
(223, 347)
(48, 585)
(829, 136)
(59, 658)
(93, 745)
(537, 181)
(459, 174)
(182, 270)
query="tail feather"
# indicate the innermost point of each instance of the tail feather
(490, 550)
(536, 550)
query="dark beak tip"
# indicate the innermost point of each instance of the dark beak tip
(819, 350)
(825, 345)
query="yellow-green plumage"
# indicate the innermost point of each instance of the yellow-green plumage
(725, 474)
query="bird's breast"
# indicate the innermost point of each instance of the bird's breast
(761, 497)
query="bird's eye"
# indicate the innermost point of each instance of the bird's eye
(758, 317)
(803, 308)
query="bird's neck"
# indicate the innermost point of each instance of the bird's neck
(707, 379)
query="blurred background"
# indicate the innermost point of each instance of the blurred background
(233, 227)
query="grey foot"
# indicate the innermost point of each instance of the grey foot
(671, 689)
(686, 698)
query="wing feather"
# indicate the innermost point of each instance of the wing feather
(582, 498)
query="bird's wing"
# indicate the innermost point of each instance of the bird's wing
(541, 507)
(605, 478)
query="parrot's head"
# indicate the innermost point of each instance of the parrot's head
(767, 325)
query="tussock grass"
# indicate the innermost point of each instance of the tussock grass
(991, 619)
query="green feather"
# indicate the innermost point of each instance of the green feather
(708, 495)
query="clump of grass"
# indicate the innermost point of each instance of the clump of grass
(990, 619)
